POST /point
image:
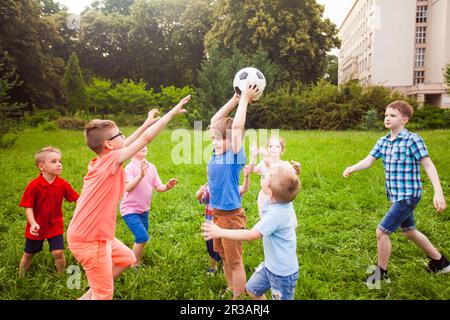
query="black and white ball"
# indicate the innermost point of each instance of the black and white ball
(249, 76)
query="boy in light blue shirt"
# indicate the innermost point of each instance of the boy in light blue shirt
(279, 271)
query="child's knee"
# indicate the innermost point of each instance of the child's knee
(381, 234)
(409, 234)
(58, 254)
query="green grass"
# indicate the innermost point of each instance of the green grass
(336, 234)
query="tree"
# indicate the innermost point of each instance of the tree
(74, 86)
(29, 38)
(112, 6)
(331, 72)
(293, 33)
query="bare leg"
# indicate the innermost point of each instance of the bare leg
(424, 243)
(138, 249)
(384, 249)
(60, 260)
(239, 280)
(25, 264)
(227, 271)
(86, 296)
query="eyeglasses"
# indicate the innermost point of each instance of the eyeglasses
(113, 137)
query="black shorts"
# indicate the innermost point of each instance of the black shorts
(35, 246)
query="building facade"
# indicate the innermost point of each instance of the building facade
(401, 44)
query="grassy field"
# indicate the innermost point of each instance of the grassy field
(336, 234)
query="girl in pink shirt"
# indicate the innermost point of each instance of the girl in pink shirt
(141, 178)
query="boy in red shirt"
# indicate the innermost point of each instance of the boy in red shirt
(42, 201)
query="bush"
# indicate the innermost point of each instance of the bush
(41, 116)
(69, 123)
(48, 126)
(430, 117)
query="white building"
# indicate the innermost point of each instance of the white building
(402, 44)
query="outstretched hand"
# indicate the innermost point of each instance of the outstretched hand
(210, 230)
(179, 107)
(348, 172)
(171, 183)
(151, 116)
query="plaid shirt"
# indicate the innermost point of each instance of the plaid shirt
(401, 160)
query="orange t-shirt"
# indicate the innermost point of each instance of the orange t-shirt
(95, 214)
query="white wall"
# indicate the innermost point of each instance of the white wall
(394, 38)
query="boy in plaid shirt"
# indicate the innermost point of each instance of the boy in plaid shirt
(402, 153)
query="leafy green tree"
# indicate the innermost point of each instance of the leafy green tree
(447, 76)
(293, 33)
(112, 6)
(29, 38)
(74, 86)
(331, 72)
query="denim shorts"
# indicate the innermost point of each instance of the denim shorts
(401, 214)
(282, 287)
(138, 224)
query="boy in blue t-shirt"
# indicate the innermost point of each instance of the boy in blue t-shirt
(279, 271)
(224, 169)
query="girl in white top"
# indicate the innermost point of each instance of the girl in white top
(272, 154)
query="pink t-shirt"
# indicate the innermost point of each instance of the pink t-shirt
(140, 199)
(95, 214)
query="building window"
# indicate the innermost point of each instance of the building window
(419, 59)
(421, 16)
(419, 77)
(421, 33)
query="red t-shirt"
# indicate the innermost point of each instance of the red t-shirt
(46, 201)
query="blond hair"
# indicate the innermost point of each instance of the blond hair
(42, 154)
(404, 107)
(222, 127)
(284, 183)
(96, 132)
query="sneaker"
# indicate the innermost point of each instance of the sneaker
(211, 271)
(376, 276)
(439, 266)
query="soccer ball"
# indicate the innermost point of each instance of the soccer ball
(249, 76)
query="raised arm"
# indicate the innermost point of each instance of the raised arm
(430, 169)
(226, 109)
(246, 185)
(150, 133)
(211, 231)
(147, 123)
(362, 165)
(238, 126)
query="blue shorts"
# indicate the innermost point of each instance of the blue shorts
(282, 287)
(401, 214)
(35, 246)
(138, 224)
